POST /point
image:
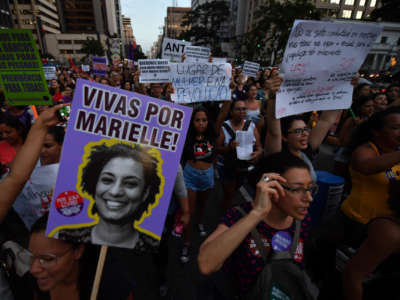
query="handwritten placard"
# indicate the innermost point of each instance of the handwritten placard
(319, 62)
(199, 82)
(153, 70)
(250, 68)
(49, 72)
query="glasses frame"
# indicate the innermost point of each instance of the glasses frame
(42, 261)
(300, 131)
(302, 190)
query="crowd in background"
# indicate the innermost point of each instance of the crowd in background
(276, 184)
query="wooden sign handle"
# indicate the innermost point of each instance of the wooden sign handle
(99, 272)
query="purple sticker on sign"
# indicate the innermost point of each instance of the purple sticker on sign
(118, 166)
(281, 241)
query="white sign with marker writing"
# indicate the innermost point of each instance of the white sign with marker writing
(85, 68)
(50, 72)
(250, 68)
(319, 62)
(197, 54)
(173, 49)
(199, 82)
(153, 70)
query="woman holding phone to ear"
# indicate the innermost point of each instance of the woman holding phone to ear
(284, 191)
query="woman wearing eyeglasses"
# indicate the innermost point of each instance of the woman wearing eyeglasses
(283, 194)
(292, 133)
(63, 270)
(226, 146)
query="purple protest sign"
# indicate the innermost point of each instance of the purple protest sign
(99, 65)
(118, 166)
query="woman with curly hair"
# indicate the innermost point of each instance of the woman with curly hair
(122, 183)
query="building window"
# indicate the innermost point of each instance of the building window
(372, 3)
(359, 14)
(64, 51)
(398, 42)
(346, 13)
(384, 40)
(335, 1)
(361, 3)
(349, 2)
(68, 42)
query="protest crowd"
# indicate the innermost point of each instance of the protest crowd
(265, 167)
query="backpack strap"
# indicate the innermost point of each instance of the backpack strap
(290, 253)
(256, 237)
(246, 125)
(229, 130)
(245, 194)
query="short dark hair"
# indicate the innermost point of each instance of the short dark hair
(287, 122)
(58, 133)
(279, 162)
(102, 154)
(14, 122)
(359, 102)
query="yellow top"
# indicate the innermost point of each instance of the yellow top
(369, 194)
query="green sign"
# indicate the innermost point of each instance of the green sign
(21, 74)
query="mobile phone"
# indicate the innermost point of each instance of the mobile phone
(63, 113)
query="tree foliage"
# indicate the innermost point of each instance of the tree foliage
(92, 47)
(271, 30)
(389, 11)
(205, 24)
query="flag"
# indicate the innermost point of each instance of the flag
(71, 61)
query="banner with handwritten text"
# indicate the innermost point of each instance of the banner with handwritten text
(319, 62)
(199, 82)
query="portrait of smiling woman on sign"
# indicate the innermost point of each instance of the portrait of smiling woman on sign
(123, 183)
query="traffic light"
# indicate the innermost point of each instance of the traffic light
(258, 45)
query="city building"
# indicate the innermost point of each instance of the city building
(173, 21)
(65, 45)
(89, 16)
(346, 9)
(5, 15)
(40, 16)
(155, 51)
(127, 33)
(196, 3)
(330, 9)
(80, 19)
(127, 30)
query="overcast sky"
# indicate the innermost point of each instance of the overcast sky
(147, 16)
